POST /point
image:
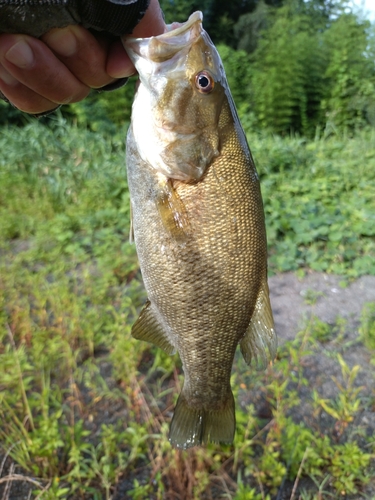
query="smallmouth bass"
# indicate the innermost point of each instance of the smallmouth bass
(198, 223)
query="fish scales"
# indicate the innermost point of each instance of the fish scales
(200, 240)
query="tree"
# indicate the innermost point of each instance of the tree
(249, 27)
(219, 16)
(288, 72)
(349, 100)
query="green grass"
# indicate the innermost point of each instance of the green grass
(84, 408)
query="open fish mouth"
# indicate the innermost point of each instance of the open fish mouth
(179, 36)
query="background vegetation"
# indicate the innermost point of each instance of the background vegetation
(294, 66)
(84, 409)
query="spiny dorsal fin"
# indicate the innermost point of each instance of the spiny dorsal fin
(148, 328)
(260, 342)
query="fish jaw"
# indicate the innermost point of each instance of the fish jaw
(173, 135)
(146, 52)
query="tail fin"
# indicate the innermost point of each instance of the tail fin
(193, 427)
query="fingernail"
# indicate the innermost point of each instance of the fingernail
(6, 77)
(20, 55)
(62, 41)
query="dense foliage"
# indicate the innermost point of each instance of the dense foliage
(307, 71)
(294, 67)
(66, 186)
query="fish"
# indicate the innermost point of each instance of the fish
(198, 226)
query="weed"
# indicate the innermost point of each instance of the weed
(347, 404)
(85, 409)
(367, 329)
(139, 492)
(318, 215)
(348, 466)
(321, 330)
(311, 296)
(247, 493)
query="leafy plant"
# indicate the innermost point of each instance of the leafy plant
(348, 466)
(288, 59)
(318, 215)
(350, 102)
(367, 329)
(347, 404)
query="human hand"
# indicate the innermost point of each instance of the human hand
(37, 75)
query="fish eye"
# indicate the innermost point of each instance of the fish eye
(204, 82)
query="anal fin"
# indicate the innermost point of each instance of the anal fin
(148, 328)
(260, 342)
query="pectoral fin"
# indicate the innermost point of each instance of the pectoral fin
(260, 342)
(173, 213)
(148, 328)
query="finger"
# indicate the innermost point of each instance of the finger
(34, 65)
(22, 97)
(82, 53)
(151, 24)
(118, 63)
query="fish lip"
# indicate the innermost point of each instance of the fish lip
(163, 47)
(179, 30)
(171, 31)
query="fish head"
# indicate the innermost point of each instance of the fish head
(179, 99)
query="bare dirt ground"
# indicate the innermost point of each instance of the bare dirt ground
(331, 304)
(295, 301)
(288, 297)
